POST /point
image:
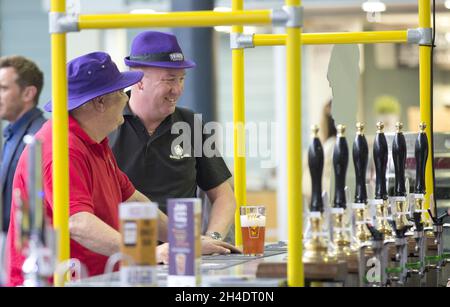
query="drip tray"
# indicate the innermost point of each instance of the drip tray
(228, 257)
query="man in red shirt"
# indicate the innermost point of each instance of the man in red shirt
(95, 103)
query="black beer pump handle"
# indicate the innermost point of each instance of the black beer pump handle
(315, 162)
(421, 155)
(360, 158)
(340, 164)
(380, 157)
(399, 157)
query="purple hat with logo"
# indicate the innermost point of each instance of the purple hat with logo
(157, 49)
(93, 75)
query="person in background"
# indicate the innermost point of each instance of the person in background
(328, 138)
(21, 83)
(97, 186)
(146, 144)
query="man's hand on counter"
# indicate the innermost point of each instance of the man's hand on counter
(211, 246)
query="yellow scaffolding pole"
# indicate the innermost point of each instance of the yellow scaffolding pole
(175, 19)
(240, 184)
(425, 93)
(294, 153)
(60, 142)
(335, 38)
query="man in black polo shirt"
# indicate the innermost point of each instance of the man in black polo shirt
(144, 145)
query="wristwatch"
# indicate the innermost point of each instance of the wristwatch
(214, 235)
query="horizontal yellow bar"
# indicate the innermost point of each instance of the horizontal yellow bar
(175, 19)
(335, 38)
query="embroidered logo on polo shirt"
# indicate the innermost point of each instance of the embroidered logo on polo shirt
(178, 153)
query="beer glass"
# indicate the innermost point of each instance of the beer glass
(253, 225)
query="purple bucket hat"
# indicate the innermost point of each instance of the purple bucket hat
(93, 75)
(157, 49)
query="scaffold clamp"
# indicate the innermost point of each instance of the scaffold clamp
(288, 16)
(241, 41)
(62, 23)
(421, 36)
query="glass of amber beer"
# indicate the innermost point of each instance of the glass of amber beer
(253, 226)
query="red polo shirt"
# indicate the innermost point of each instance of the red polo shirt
(96, 185)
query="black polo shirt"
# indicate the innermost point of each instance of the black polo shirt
(157, 170)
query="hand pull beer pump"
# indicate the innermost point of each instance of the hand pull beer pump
(381, 234)
(316, 247)
(400, 224)
(421, 155)
(399, 157)
(341, 237)
(360, 160)
(380, 157)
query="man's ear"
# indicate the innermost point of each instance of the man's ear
(140, 85)
(99, 104)
(29, 93)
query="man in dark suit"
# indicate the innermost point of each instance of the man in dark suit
(21, 83)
